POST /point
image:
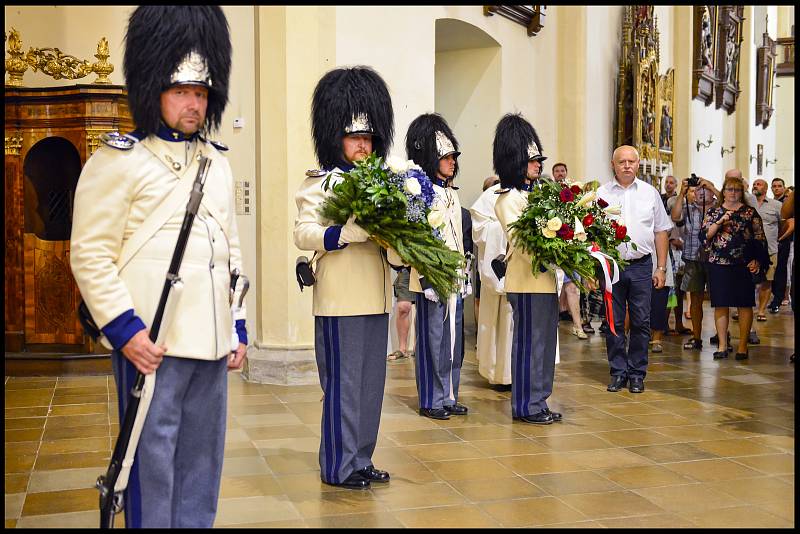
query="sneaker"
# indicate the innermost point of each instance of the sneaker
(753, 338)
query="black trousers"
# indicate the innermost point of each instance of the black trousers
(779, 282)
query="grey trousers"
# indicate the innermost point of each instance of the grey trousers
(533, 351)
(175, 478)
(351, 359)
(437, 369)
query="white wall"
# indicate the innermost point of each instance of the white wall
(468, 97)
(602, 65)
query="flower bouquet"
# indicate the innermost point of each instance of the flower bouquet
(394, 203)
(566, 225)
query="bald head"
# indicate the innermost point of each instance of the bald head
(760, 187)
(490, 181)
(733, 173)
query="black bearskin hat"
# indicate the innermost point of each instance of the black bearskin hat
(159, 40)
(513, 140)
(346, 101)
(428, 140)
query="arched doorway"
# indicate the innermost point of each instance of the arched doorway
(467, 94)
(50, 175)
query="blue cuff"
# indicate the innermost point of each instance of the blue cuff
(331, 239)
(241, 331)
(122, 329)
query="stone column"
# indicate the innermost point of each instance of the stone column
(295, 46)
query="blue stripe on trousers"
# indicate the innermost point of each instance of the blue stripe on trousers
(337, 407)
(132, 495)
(518, 380)
(326, 416)
(528, 351)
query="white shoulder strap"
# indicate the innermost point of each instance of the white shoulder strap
(179, 195)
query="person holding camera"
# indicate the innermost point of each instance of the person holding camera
(737, 250)
(688, 209)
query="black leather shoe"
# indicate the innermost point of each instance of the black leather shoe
(720, 354)
(354, 481)
(501, 387)
(435, 413)
(457, 409)
(604, 328)
(617, 383)
(587, 328)
(741, 355)
(373, 475)
(636, 385)
(541, 418)
(555, 415)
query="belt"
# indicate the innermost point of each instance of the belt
(639, 260)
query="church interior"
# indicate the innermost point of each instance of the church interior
(696, 89)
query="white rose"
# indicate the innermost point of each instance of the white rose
(413, 186)
(613, 210)
(436, 218)
(549, 234)
(398, 165)
(580, 231)
(554, 224)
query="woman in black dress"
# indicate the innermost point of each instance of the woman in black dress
(737, 249)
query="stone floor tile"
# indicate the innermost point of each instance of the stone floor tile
(265, 508)
(59, 502)
(480, 490)
(63, 479)
(14, 502)
(611, 504)
(573, 482)
(464, 516)
(738, 517)
(531, 512)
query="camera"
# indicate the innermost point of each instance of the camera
(694, 181)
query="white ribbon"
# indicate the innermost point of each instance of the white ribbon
(601, 257)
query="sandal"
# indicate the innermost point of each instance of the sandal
(761, 318)
(579, 333)
(410, 353)
(396, 355)
(693, 344)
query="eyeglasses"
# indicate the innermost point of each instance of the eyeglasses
(733, 189)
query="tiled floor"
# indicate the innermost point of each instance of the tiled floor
(709, 444)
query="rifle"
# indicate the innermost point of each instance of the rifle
(111, 501)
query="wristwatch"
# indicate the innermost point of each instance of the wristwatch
(662, 269)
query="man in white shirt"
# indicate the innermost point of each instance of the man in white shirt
(647, 223)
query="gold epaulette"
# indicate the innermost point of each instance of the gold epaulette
(315, 173)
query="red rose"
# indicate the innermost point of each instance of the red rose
(566, 195)
(614, 224)
(588, 220)
(575, 189)
(602, 203)
(565, 232)
(620, 232)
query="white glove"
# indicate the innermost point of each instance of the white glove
(467, 289)
(352, 233)
(431, 295)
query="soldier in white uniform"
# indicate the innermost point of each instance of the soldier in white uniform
(351, 118)
(439, 341)
(177, 66)
(517, 161)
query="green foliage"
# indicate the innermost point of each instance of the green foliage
(374, 194)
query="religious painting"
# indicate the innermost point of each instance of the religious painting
(704, 74)
(765, 75)
(728, 51)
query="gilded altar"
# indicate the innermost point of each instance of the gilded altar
(645, 98)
